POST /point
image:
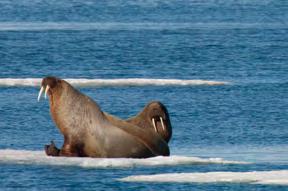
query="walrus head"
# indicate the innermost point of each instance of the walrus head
(154, 115)
(49, 84)
(159, 119)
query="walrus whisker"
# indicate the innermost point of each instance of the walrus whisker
(154, 125)
(47, 88)
(40, 93)
(162, 123)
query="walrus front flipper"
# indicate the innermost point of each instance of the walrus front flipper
(52, 150)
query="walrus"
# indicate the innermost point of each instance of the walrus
(89, 132)
(154, 116)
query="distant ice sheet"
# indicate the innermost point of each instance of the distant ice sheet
(257, 177)
(134, 26)
(39, 157)
(35, 82)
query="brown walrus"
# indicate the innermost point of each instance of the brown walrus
(89, 132)
(154, 116)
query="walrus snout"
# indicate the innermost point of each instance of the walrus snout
(157, 115)
(48, 83)
(159, 119)
(155, 121)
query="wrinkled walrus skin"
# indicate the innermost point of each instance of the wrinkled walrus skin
(89, 132)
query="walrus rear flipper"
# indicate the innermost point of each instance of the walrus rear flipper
(52, 150)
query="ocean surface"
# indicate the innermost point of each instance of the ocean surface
(220, 67)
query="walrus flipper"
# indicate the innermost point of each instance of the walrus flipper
(52, 150)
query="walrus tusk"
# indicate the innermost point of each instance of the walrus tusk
(162, 123)
(40, 93)
(153, 121)
(47, 88)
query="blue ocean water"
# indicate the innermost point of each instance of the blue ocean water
(242, 42)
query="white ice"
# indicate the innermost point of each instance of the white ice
(279, 177)
(39, 157)
(77, 26)
(35, 82)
